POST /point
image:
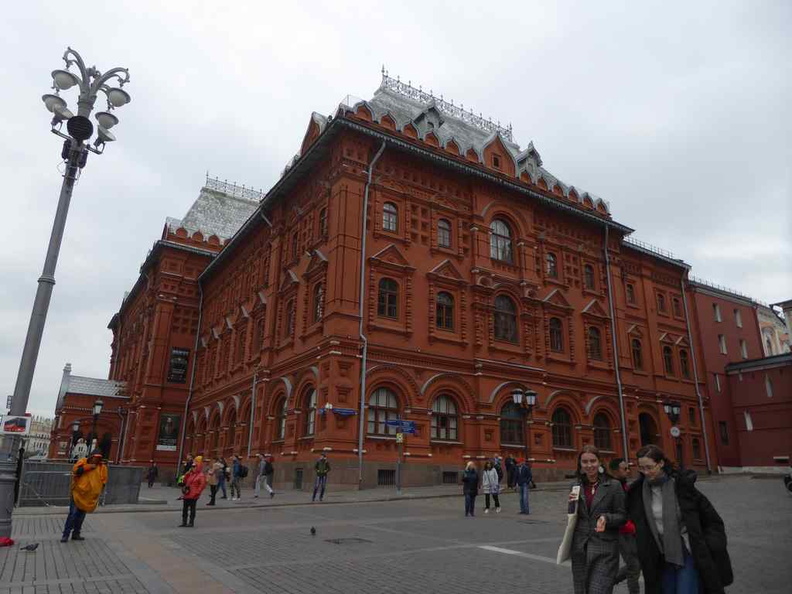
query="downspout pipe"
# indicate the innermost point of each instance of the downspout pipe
(192, 380)
(696, 379)
(252, 412)
(612, 309)
(362, 334)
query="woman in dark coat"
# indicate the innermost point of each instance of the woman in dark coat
(681, 538)
(601, 512)
(470, 488)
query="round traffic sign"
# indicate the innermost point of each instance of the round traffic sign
(675, 432)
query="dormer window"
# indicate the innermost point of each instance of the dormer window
(496, 161)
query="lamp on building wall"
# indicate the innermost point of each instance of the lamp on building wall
(673, 411)
(89, 82)
(97, 410)
(525, 399)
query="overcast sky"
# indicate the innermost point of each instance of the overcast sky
(677, 113)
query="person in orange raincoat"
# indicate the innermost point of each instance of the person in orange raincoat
(88, 479)
(194, 484)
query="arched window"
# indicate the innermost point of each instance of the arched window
(556, 335)
(443, 233)
(231, 433)
(551, 265)
(661, 302)
(318, 302)
(562, 428)
(383, 407)
(637, 354)
(595, 343)
(647, 428)
(444, 419)
(309, 410)
(444, 311)
(390, 217)
(290, 318)
(511, 425)
(388, 299)
(505, 319)
(696, 448)
(323, 222)
(501, 242)
(630, 293)
(668, 360)
(588, 276)
(684, 363)
(280, 419)
(602, 432)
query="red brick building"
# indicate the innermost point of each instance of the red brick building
(729, 329)
(482, 273)
(414, 263)
(762, 397)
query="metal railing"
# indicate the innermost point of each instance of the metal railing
(650, 248)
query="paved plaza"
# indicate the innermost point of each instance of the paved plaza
(418, 544)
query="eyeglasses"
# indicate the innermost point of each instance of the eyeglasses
(648, 468)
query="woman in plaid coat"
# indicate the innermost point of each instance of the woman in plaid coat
(600, 513)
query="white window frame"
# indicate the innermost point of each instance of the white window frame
(748, 421)
(716, 310)
(717, 383)
(768, 386)
(722, 344)
(743, 349)
(738, 318)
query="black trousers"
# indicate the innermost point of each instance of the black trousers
(188, 505)
(213, 493)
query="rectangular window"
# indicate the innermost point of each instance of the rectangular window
(692, 416)
(677, 305)
(717, 383)
(496, 161)
(177, 372)
(631, 293)
(716, 312)
(722, 344)
(738, 318)
(748, 421)
(724, 432)
(744, 349)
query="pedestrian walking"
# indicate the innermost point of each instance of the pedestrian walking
(322, 467)
(497, 464)
(187, 465)
(152, 473)
(88, 479)
(681, 538)
(238, 472)
(600, 513)
(523, 478)
(490, 484)
(213, 480)
(510, 467)
(631, 570)
(264, 473)
(194, 484)
(470, 480)
(224, 477)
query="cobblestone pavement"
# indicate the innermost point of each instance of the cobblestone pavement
(423, 544)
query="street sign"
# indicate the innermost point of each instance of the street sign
(400, 438)
(9, 400)
(675, 432)
(14, 425)
(404, 426)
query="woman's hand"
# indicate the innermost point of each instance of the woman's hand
(601, 524)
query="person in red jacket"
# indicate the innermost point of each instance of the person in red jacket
(631, 570)
(194, 484)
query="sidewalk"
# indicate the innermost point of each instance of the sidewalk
(160, 498)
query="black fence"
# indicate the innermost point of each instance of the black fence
(47, 483)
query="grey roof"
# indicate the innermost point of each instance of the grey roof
(215, 212)
(91, 386)
(426, 112)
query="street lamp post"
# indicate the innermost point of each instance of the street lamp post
(673, 410)
(525, 399)
(89, 82)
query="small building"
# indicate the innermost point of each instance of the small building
(761, 391)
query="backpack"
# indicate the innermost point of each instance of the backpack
(499, 470)
(243, 471)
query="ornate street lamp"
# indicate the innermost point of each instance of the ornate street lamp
(525, 399)
(673, 410)
(89, 83)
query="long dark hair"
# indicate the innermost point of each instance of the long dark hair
(588, 449)
(653, 452)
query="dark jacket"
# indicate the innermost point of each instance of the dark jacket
(523, 474)
(470, 482)
(322, 467)
(706, 534)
